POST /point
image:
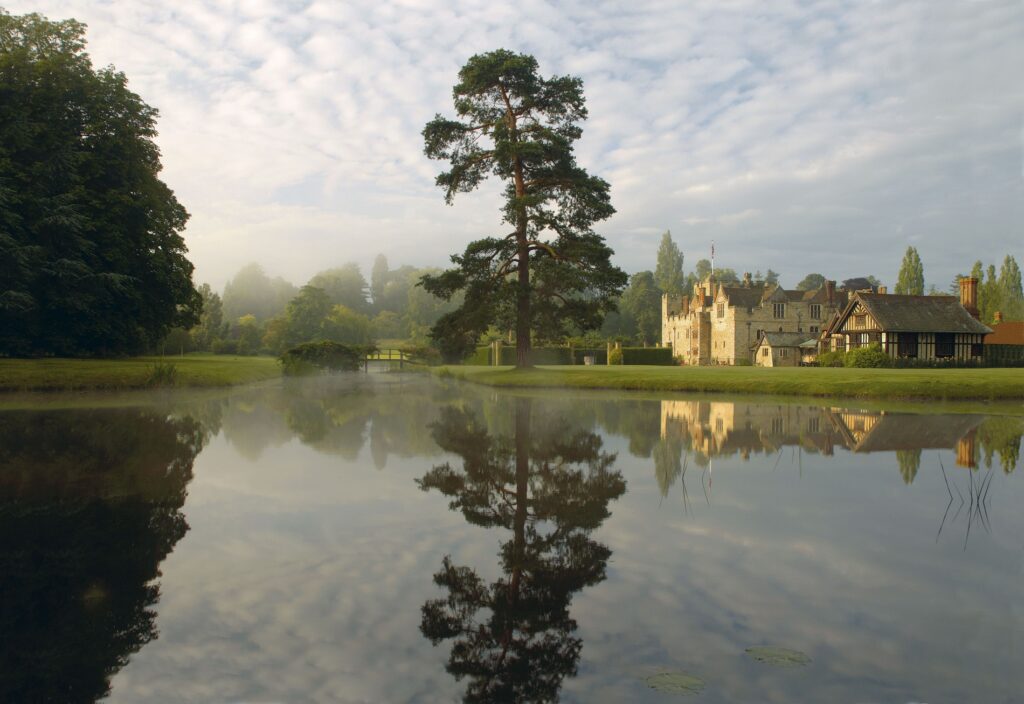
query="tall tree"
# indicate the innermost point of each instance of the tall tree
(552, 272)
(668, 274)
(211, 320)
(1010, 288)
(378, 280)
(811, 282)
(772, 278)
(911, 277)
(92, 261)
(344, 285)
(252, 292)
(641, 302)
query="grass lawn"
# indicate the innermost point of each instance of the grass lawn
(945, 384)
(132, 372)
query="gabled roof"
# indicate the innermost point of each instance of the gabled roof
(900, 313)
(784, 339)
(744, 296)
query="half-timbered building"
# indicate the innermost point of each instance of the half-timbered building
(916, 327)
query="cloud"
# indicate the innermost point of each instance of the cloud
(845, 131)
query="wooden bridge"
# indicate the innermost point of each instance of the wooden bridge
(387, 358)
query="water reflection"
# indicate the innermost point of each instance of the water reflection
(548, 485)
(90, 505)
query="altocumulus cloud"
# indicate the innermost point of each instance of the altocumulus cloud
(818, 136)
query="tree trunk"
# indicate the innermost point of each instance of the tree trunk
(522, 249)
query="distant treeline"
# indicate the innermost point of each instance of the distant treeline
(257, 313)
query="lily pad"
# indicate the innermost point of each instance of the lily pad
(675, 683)
(779, 657)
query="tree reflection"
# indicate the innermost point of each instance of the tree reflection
(550, 486)
(90, 505)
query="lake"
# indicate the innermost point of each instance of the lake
(402, 538)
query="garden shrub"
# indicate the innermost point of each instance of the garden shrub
(872, 356)
(615, 356)
(647, 355)
(835, 358)
(323, 355)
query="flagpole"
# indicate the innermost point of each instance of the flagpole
(712, 260)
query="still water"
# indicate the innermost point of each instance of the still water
(396, 538)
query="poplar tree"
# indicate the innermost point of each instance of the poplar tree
(552, 272)
(911, 277)
(668, 275)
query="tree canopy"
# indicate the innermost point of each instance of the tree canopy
(92, 261)
(811, 282)
(552, 272)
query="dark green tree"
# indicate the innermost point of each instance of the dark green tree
(771, 278)
(211, 321)
(911, 277)
(669, 272)
(552, 272)
(305, 315)
(92, 261)
(811, 282)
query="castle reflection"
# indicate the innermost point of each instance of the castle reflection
(722, 428)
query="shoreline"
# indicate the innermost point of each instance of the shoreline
(52, 375)
(989, 385)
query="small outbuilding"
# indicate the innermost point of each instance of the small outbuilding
(783, 349)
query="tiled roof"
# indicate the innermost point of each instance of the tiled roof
(1009, 333)
(744, 296)
(899, 313)
(785, 339)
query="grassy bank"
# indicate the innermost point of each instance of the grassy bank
(133, 372)
(944, 384)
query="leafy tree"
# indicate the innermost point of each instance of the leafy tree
(642, 303)
(345, 286)
(909, 462)
(211, 320)
(771, 278)
(552, 272)
(249, 335)
(702, 269)
(251, 291)
(389, 325)
(811, 282)
(990, 295)
(669, 273)
(305, 315)
(911, 277)
(92, 261)
(1010, 279)
(347, 326)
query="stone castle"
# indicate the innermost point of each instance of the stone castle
(719, 323)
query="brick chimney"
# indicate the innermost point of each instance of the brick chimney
(830, 292)
(747, 280)
(998, 316)
(969, 294)
(883, 290)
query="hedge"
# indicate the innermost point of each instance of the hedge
(555, 356)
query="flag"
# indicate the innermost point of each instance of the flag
(712, 249)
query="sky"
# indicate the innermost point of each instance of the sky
(799, 136)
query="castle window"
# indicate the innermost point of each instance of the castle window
(814, 328)
(721, 310)
(764, 351)
(816, 311)
(779, 310)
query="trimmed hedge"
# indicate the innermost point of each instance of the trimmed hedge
(555, 356)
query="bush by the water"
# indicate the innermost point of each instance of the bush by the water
(310, 357)
(872, 356)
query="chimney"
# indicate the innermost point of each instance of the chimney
(747, 280)
(830, 292)
(998, 317)
(969, 294)
(883, 290)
